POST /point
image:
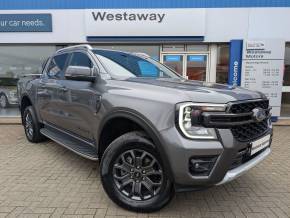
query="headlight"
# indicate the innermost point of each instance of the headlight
(190, 119)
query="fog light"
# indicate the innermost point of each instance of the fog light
(201, 166)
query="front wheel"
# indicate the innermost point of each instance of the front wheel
(133, 176)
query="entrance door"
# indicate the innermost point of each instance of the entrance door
(193, 66)
(285, 106)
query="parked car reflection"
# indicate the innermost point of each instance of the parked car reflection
(8, 92)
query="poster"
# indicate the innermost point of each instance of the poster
(263, 68)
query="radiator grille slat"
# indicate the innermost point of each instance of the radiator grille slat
(251, 131)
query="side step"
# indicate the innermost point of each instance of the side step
(77, 146)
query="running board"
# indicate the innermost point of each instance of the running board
(79, 147)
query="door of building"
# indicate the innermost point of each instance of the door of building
(194, 66)
(285, 104)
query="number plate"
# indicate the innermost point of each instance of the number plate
(260, 144)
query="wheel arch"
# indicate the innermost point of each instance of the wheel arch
(144, 123)
(24, 102)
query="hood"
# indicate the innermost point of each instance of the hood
(179, 90)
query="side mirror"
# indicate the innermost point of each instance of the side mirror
(80, 73)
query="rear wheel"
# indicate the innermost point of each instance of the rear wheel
(32, 126)
(133, 175)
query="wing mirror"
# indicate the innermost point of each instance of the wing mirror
(80, 73)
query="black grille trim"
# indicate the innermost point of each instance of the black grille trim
(247, 106)
(238, 118)
(249, 132)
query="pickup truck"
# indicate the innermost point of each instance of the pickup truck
(154, 132)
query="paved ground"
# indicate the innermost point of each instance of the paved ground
(46, 180)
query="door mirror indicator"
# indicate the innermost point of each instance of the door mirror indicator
(80, 73)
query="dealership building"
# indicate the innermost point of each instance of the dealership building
(236, 42)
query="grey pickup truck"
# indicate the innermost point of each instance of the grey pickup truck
(154, 132)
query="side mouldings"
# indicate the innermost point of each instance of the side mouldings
(146, 125)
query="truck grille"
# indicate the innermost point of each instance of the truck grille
(240, 120)
(246, 107)
(250, 131)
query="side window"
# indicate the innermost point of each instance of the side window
(147, 69)
(81, 59)
(56, 66)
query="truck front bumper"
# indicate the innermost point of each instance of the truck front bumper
(180, 151)
(235, 173)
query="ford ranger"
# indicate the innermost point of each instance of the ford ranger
(154, 132)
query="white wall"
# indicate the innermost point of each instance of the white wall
(221, 25)
(240, 23)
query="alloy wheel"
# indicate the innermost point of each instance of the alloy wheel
(137, 174)
(29, 125)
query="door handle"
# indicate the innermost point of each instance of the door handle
(64, 89)
(42, 85)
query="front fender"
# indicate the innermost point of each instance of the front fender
(148, 127)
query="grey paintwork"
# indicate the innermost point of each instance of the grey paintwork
(84, 107)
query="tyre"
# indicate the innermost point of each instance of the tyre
(32, 126)
(3, 101)
(133, 175)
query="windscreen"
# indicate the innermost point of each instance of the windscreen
(121, 64)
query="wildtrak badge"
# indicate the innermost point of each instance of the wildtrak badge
(101, 16)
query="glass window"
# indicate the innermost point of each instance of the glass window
(16, 61)
(197, 47)
(173, 48)
(174, 62)
(56, 66)
(80, 59)
(286, 77)
(151, 50)
(285, 107)
(196, 67)
(222, 67)
(120, 64)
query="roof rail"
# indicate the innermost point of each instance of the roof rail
(84, 46)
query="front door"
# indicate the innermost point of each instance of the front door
(81, 101)
(193, 66)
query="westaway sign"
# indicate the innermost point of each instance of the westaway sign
(145, 23)
(125, 16)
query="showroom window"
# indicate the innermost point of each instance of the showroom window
(16, 61)
(222, 67)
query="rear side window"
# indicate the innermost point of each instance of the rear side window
(81, 59)
(56, 66)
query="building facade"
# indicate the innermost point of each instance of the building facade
(213, 41)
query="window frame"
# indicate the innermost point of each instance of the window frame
(64, 69)
(93, 64)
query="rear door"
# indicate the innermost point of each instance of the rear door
(81, 100)
(50, 90)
